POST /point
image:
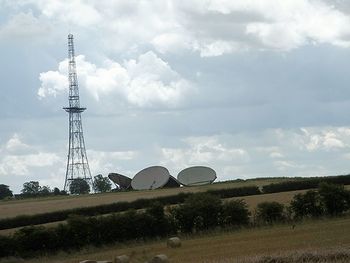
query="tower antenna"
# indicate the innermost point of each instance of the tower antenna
(77, 163)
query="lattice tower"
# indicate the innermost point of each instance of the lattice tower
(77, 163)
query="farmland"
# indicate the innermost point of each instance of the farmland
(318, 235)
(42, 205)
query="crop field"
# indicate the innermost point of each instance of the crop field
(41, 205)
(324, 237)
(252, 201)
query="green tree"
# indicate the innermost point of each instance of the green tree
(31, 188)
(102, 184)
(334, 198)
(270, 212)
(45, 190)
(235, 212)
(199, 211)
(56, 191)
(307, 205)
(5, 191)
(79, 186)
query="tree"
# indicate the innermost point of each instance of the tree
(45, 190)
(5, 191)
(56, 191)
(334, 198)
(308, 204)
(199, 211)
(79, 186)
(102, 184)
(235, 212)
(270, 212)
(31, 188)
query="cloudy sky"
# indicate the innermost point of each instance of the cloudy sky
(250, 88)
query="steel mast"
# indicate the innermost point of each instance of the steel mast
(77, 163)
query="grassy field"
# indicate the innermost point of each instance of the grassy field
(233, 246)
(41, 205)
(252, 201)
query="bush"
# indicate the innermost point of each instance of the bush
(200, 211)
(5, 191)
(307, 205)
(235, 213)
(33, 240)
(270, 212)
(235, 192)
(7, 246)
(79, 186)
(334, 198)
(303, 184)
(24, 220)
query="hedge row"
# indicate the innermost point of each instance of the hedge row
(199, 212)
(25, 220)
(304, 184)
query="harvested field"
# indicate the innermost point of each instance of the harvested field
(252, 201)
(321, 235)
(41, 205)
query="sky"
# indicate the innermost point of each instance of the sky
(249, 88)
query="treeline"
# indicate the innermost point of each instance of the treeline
(25, 220)
(300, 184)
(201, 211)
(305, 183)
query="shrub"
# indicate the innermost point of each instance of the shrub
(334, 198)
(270, 212)
(79, 186)
(5, 191)
(34, 240)
(235, 212)
(303, 184)
(24, 220)
(235, 192)
(200, 211)
(307, 205)
(7, 246)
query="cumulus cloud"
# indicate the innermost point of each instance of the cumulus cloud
(212, 27)
(208, 151)
(17, 157)
(104, 162)
(328, 139)
(147, 81)
(24, 25)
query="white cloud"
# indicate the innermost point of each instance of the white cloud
(212, 27)
(203, 151)
(52, 83)
(76, 12)
(146, 82)
(327, 139)
(107, 162)
(17, 157)
(24, 25)
(15, 144)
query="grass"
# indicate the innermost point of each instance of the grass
(13, 208)
(335, 255)
(245, 245)
(252, 201)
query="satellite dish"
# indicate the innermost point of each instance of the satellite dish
(122, 181)
(152, 178)
(196, 175)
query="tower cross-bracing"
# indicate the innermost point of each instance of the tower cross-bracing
(77, 163)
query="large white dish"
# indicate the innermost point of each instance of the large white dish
(150, 178)
(196, 175)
